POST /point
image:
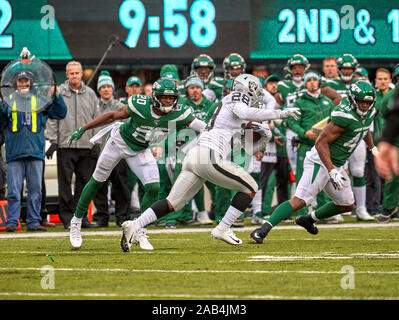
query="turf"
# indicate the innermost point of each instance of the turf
(338, 263)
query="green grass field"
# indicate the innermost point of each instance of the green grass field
(345, 261)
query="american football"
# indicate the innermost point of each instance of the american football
(255, 136)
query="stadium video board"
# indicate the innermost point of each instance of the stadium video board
(316, 29)
(182, 29)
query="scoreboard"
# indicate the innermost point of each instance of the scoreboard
(182, 29)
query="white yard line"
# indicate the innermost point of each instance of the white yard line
(194, 230)
(190, 296)
(198, 271)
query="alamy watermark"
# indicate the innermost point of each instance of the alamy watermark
(48, 20)
(48, 280)
(348, 280)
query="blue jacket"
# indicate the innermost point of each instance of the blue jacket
(24, 132)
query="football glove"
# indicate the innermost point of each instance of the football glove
(76, 135)
(337, 179)
(290, 113)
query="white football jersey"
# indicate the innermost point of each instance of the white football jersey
(229, 119)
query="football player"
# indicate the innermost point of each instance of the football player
(131, 140)
(233, 65)
(287, 92)
(207, 161)
(323, 166)
(347, 65)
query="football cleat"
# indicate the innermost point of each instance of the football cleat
(308, 223)
(256, 236)
(227, 236)
(203, 218)
(142, 240)
(363, 215)
(129, 235)
(259, 234)
(386, 216)
(75, 237)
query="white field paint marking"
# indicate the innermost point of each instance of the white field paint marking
(190, 296)
(295, 253)
(323, 256)
(199, 271)
(196, 230)
(191, 239)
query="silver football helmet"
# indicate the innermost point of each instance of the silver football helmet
(250, 85)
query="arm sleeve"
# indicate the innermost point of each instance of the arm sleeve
(242, 111)
(197, 125)
(58, 109)
(52, 130)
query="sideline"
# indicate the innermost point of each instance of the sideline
(194, 230)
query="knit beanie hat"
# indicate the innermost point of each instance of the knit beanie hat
(194, 81)
(104, 79)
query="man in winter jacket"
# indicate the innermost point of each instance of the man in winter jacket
(24, 142)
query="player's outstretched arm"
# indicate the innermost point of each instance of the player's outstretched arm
(260, 115)
(106, 118)
(196, 124)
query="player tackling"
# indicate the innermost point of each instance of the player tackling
(207, 161)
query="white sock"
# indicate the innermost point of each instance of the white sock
(147, 217)
(231, 215)
(76, 220)
(135, 202)
(360, 196)
(257, 202)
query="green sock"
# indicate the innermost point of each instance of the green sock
(150, 195)
(326, 211)
(282, 212)
(89, 192)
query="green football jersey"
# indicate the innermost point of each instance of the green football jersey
(338, 85)
(289, 92)
(140, 130)
(200, 111)
(356, 128)
(216, 85)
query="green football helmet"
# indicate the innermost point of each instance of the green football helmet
(203, 60)
(361, 90)
(395, 72)
(233, 61)
(294, 60)
(164, 87)
(347, 61)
